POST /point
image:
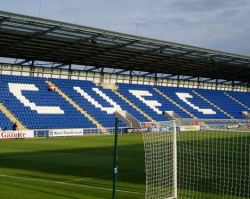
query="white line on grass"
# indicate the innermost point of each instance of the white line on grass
(65, 183)
(48, 154)
(52, 154)
(82, 179)
(37, 155)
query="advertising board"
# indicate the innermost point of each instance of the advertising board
(65, 132)
(16, 134)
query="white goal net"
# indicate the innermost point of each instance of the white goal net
(213, 159)
(160, 158)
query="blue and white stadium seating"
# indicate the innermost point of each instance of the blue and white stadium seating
(99, 103)
(5, 122)
(150, 101)
(224, 102)
(36, 107)
(193, 103)
(28, 99)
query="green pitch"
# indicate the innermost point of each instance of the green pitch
(82, 167)
(74, 167)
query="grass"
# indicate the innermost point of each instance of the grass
(76, 167)
(214, 164)
(82, 167)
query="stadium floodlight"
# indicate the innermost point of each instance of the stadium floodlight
(212, 59)
(211, 56)
(93, 41)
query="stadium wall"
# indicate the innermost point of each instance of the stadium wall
(97, 77)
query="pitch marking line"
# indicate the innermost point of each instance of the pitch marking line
(37, 155)
(51, 154)
(82, 179)
(65, 183)
(48, 154)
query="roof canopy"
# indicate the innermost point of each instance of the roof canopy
(31, 38)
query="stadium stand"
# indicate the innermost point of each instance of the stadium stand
(99, 102)
(36, 107)
(28, 99)
(5, 122)
(193, 103)
(147, 99)
(241, 97)
(225, 103)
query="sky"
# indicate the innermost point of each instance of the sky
(214, 24)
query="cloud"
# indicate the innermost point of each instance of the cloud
(217, 24)
(206, 5)
(217, 28)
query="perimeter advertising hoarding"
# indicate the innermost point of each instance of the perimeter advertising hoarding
(190, 128)
(16, 134)
(65, 132)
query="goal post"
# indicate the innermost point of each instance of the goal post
(160, 160)
(208, 159)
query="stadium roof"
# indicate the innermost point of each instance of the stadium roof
(31, 38)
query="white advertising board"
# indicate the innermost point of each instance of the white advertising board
(65, 132)
(190, 128)
(16, 134)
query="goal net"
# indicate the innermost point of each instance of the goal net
(160, 160)
(213, 159)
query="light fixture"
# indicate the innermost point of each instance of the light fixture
(212, 59)
(93, 41)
